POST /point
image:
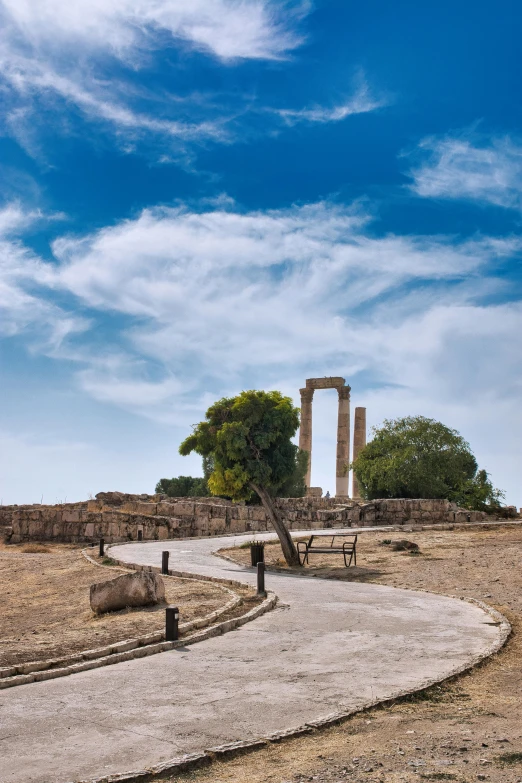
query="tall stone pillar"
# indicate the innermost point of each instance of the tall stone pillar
(305, 431)
(359, 442)
(343, 442)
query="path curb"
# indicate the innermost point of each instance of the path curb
(140, 647)
(195, 760)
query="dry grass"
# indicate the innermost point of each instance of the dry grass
(35, 549)
(466, 730)
(46, 611)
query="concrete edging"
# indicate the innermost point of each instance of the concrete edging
(142, 646)
(194, 760)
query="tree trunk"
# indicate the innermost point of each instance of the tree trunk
(287, 543)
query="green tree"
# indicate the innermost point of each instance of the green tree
(248, 438)
(478, 493)
(295, 486)
(183, 487)
(416, 457)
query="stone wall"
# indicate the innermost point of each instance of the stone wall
(115, 516)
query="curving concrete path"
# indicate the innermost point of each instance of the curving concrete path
(328, 646)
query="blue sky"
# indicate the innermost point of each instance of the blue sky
(198, 198)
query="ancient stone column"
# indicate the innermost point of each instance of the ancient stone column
(343, 442)
(305, 431)
(359, 442)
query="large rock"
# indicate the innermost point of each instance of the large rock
(140, 589)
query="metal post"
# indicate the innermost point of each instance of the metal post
(164, 562)
(171, 624)
(261, 579)
(102, 547)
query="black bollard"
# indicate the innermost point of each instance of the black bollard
(261, 579)
(164, 562)
(140, 535)
(102, 547)
(257, 553)
(171, 624)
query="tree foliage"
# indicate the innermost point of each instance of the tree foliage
(295, 486)
(183, 487)
(416, 457)
(248, 438)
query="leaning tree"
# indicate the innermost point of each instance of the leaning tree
(248, 438)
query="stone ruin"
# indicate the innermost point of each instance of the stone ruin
(343, 433)
(116, 516)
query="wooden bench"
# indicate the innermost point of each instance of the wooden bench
(318, 544)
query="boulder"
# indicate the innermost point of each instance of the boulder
(140, 589)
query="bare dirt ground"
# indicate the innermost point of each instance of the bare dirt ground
(45, 611)
(466, 730)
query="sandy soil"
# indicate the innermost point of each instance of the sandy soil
(45, 611)
(466, 730)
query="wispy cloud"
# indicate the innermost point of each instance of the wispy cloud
(130, 29)
(22, 308)
(55, 50)
(33, 80)
(60, 59)
(361, 102)
(200, 285)
(467, 167)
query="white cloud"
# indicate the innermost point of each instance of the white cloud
(197, 272)
(20, 269)
(361, 102)
(61, 58)
(212, 302)
(250, 29)
(461, 168)
(54, 49)
(99, 101)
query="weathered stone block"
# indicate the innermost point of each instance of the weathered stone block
(146, 509)
(237, 526)
(113, 530)
(140, 589)
(184, 509)
(166, 509)
(94, 505)
(129, 507)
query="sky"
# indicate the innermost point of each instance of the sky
(200, 198)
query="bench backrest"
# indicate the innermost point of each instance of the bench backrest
(333, 536)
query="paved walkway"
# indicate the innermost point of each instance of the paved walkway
(327, 646)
